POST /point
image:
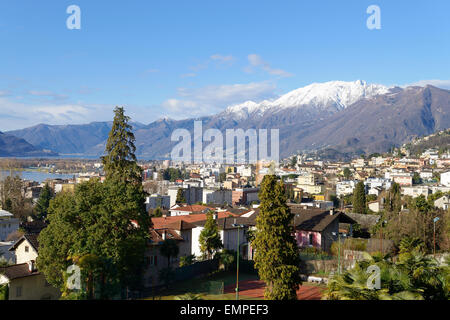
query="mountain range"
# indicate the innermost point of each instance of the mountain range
(348, 117)
(11, 146)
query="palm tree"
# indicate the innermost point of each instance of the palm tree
(189, 296)
(413, 277)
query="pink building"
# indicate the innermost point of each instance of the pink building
(316, 227)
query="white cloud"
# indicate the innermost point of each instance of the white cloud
(48, 94)
(188, 75)
(221, 58)
(257, 62)
(213, 99)
(215, 58)
(444, 84)
(17, 115)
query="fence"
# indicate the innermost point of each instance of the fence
(196, 269)
(213, 287)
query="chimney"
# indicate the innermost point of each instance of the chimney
(164, 235)
(31, 266)
(331, 212)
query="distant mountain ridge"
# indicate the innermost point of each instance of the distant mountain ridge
(11, 146)
(352, 117)
(87, 139)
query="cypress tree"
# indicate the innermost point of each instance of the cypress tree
(209, 238)
(359, 198)
(277, 255)
(180, 196)
(43, 202)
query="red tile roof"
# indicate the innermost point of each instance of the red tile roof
(156, 235)
(192, 208)
(165, 222)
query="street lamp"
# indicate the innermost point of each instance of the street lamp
(339, 250)
(381, 236)
(237, 254)
(434, 235)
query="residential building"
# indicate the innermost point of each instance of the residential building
(8, 224)
(25, 282)
(189, 209)
(445, 179)
(443, 202)
(157, 200)
(317, 228)
(181, 232)
(416, 191)
(244, 196)
(344, 188)
(217, 196)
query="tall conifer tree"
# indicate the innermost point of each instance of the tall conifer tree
(209, 238)
(43, 202)
(120, 160)
(359, 198)
(277, 255)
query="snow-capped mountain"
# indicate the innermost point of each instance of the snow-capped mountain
(346, 117)
(330, 96)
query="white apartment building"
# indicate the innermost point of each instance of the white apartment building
(382, 183)
(345, 187)
(8, 224)
(416, 191)
(217, 196)
(445, 179)
(443, 202)
(157, 200)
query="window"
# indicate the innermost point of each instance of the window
(311, 236)
(151, 261)
(18, 292)
(27, 249)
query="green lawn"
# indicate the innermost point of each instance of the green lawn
(200, 285)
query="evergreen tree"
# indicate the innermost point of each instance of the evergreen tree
(8, 205)
(180, 196)
(294, 161)
(394, 199)
(97, 220)
(120, 161)
(43, 202)
(169, 248)
(157, 212)
(347, 173)
(277, 255)
(359, 198)
(107, 221)
(209, 238)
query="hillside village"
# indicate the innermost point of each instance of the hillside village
(182, 196)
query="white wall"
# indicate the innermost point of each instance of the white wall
(22, 256)
(195, 244)
(8, 226)
(445, 179)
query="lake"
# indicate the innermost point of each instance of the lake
(36, 175)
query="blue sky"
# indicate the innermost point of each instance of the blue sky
(190, 58)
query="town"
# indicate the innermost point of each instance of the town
(341, 210)
(216, 159)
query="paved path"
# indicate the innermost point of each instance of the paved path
(255, 289)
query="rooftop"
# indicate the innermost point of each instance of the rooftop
(4, 213)
(18, 271)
